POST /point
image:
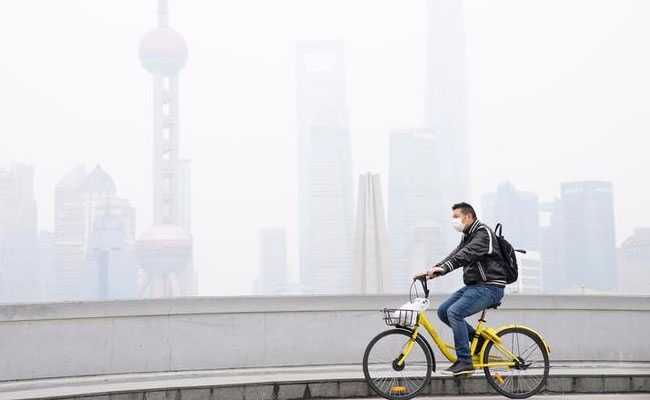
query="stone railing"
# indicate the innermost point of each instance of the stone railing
(92, 338)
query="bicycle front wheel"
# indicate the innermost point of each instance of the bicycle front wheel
(531, 366)
(388, 377)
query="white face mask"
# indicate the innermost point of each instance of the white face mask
(456, 224)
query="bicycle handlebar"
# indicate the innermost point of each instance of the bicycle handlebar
(423, 281)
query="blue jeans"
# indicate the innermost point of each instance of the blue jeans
(466, 301)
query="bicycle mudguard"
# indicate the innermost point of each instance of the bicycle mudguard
(426, 342)
(534, 332)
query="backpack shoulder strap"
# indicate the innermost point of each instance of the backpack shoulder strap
(498, 229)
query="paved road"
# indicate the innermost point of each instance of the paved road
(635, 396)
(293, 380)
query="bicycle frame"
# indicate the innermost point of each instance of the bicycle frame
(502, 361)
(449, 351)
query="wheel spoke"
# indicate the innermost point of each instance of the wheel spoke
(384, 383)
(528, 377)
(410, 385)
(508, 380)
(533, 347)
(518, 351)
(388, 379)
(533, 383)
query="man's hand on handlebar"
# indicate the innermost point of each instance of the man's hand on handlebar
(433, 273)
(436, 272)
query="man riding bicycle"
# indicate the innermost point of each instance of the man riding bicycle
(484, 275)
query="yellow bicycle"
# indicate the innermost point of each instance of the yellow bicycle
(398, 362)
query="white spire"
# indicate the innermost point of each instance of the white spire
(162, 13)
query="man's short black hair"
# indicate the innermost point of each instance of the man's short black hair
(465, 208)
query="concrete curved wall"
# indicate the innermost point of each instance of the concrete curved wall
(90, 338)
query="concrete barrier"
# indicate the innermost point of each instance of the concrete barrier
(93, 338)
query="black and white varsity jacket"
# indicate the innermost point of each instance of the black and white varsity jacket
(479, 256)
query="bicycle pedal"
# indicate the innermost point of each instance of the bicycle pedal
(398, 389)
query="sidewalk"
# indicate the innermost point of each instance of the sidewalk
(341, 381)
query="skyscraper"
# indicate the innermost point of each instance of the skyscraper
(552, 249)
(530, 279)
(446, 99)
(371, 250)
(47, 266)
(110, 252)
(424, 251)
(69, 235)
(324, 168)
(581, 239)
(589, 234)
(19, 272)
(518, 211)
(416, 212)
(634, 263)
(165, 250)
(83, 205)
(274, 272)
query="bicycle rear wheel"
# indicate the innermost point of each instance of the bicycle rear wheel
(530, 372)
(386, 376)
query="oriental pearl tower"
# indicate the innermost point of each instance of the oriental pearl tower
(165, 250)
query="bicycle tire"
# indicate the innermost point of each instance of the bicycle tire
(492, 380)
(371, 382)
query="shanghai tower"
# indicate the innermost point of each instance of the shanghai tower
(446, 100)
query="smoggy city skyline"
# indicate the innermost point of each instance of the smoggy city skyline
(545, 107)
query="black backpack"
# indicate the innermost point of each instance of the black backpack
(508, 255)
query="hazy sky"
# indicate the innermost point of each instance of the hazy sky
(559, 91)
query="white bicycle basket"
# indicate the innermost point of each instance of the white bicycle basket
(407, 314)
